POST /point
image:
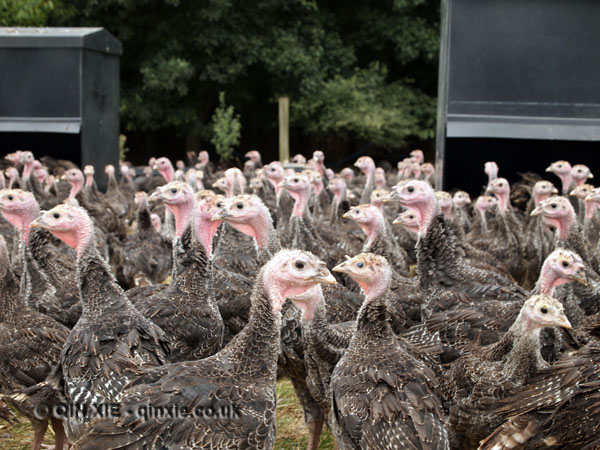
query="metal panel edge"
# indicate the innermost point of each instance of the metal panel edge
(442, 97)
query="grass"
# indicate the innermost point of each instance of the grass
(20, 436)
(291, 431)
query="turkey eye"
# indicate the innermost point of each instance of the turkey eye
(360, 265)
(544, 310)
(410, 189)
(553, 205)
(240, 206)
(295, 180)
(565, 264)
(299, 265)
(219, 204)
(174, 191)
(11, 198)
(56, 215)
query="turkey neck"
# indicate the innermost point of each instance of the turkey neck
(273, 246)
(566, 180)
(257, 345)
(521, 346)
(144, 220)
(98, 287)
(112, 186)
(320, 332)
(339, 196)
(183, 215)
(89, 180)
(76, 188)
(374, 318)
(503, 202)
(482, 213)
(192, 269)
(373, 230)
(32, 277)
(573, 240)
(438, 248)
(369, 186)
(590, 208)
(300, 202)
(27, 169)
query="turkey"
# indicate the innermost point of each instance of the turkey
(506, 242)
(112, 340)
(380, 392)
(445, 276)
(379, 239)
(557, 409)
(20, 209)
(186, 309)
(562, 169)
(147, 255)
(367, 166)
(240, 378)
(478, 379)
(30, 345)
(248, 214)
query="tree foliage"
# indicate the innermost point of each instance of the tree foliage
(32, 13)
(226, 129)
(365, 106)
(364, 70)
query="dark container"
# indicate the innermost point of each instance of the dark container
(59, 94)
(519, 84)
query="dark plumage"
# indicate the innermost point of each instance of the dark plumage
(30, 346)
(112, 340)
(381, 394)
(147, 255)
(241, 376)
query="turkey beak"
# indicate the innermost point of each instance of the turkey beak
(591, 175)
(396, 221)
(563, 322)
(549, 169)
(581, 277)
(554, 190)
(391, 196)
(325, 277)
(572, 193)
(340, 267)
(38, 222)
(537, 211)
(220, 215)
(155, 196)
(282, 184)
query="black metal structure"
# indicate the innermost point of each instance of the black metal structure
(59, 93)
(519, 84)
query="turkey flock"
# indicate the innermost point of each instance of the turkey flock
(154, 315)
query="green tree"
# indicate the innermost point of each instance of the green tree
(32, 13)
(338, 63)
(226, 128)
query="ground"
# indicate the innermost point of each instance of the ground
(291, 432)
